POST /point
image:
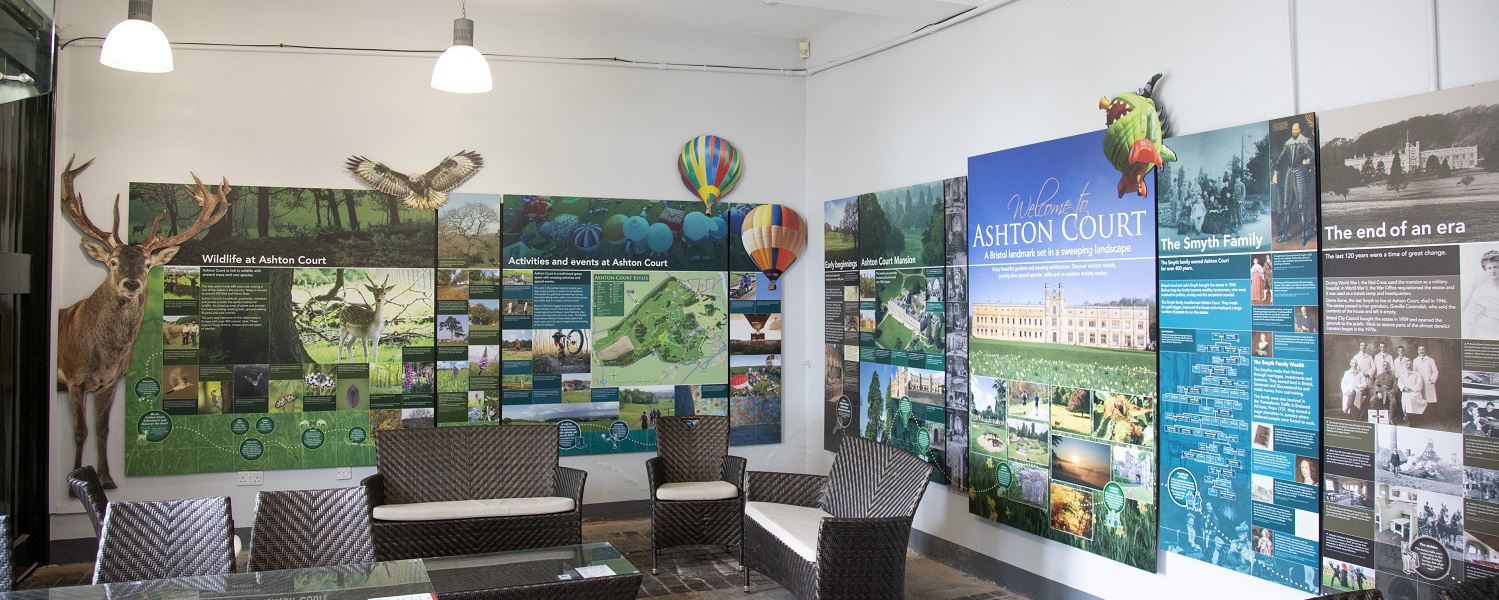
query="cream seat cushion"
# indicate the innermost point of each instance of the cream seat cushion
(697, 490)
(471, 509)
(795, 526)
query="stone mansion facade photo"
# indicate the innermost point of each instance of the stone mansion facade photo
(1055, 322)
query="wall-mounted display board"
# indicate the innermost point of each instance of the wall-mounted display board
(1237, 239)
(252, 354)
(466, 361)
(1062, 287)
(1410, 264)
(614, 313)
(886, 359)
(754, 404)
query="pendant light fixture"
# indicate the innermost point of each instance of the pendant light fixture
(462, 69)
(136, 44)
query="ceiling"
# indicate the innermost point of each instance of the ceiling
(794, 19)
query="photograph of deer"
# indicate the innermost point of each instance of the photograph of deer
(95, 335)
(353, 315)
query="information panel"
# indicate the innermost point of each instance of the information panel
(615, 313)
(1239, 314)
(283, 335)
(1062, 287)
(1411, 360)
(888, 362)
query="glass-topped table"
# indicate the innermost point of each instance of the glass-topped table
(574, 572)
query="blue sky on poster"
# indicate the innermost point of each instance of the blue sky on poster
(1054, 173)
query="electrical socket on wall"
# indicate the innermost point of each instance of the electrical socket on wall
(345, 473)
(250, 478)
(806, 49)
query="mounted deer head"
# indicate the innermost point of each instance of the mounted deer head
(129, 263)
(95, 336)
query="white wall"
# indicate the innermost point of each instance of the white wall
(278, 118)
(1034, 69)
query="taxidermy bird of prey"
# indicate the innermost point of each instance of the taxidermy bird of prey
(424, 191)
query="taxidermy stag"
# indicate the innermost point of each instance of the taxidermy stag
(95, 335)
(363, 323)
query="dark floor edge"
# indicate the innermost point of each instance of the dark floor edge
(988, 568)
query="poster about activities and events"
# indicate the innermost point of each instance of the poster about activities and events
(1410, 255)
(1239, 323)
(615, 313)
(1062, 361)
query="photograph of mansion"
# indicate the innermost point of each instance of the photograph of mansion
(1458, 157)
(1055, 322)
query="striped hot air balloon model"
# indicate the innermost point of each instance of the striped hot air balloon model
(773, 235)
(710, 168)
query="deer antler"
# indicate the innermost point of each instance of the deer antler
(212, 206)
(72, 208)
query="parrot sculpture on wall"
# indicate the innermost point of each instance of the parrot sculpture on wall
(1132, 141)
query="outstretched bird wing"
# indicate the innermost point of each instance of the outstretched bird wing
(380, 177)
(454, 170)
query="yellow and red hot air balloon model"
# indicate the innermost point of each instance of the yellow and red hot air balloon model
(710, 168)
(773, 235)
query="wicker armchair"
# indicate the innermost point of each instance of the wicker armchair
(171, 538)
(1477, 589)
(1369, 594)
(301, 529)
(839, 536)
(6, 576)
(84, 483)
(695, 485)
(471, 490)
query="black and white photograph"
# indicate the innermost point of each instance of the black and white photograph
(1413, 159)
(1421, 459)
(1481, 484)
(955, 200)
(1347, 491)
(1393, 380)
(957, 447)
(1481, 403)
(1406, 515)
(1479, 272)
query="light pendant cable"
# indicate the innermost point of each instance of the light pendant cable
(136, 44)
(462, 69)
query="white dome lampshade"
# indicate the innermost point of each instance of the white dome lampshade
(136, 44)
(462, 69)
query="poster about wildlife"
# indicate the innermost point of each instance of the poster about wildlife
(1410, 259)
(614, 313)
(1062, 294)
(284, 335)
(841, 329)
(1238, 350)
(900, 286)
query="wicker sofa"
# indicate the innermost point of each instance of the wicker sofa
(839, 536)
(469, 490)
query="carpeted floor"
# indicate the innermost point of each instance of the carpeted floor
(686, 572)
